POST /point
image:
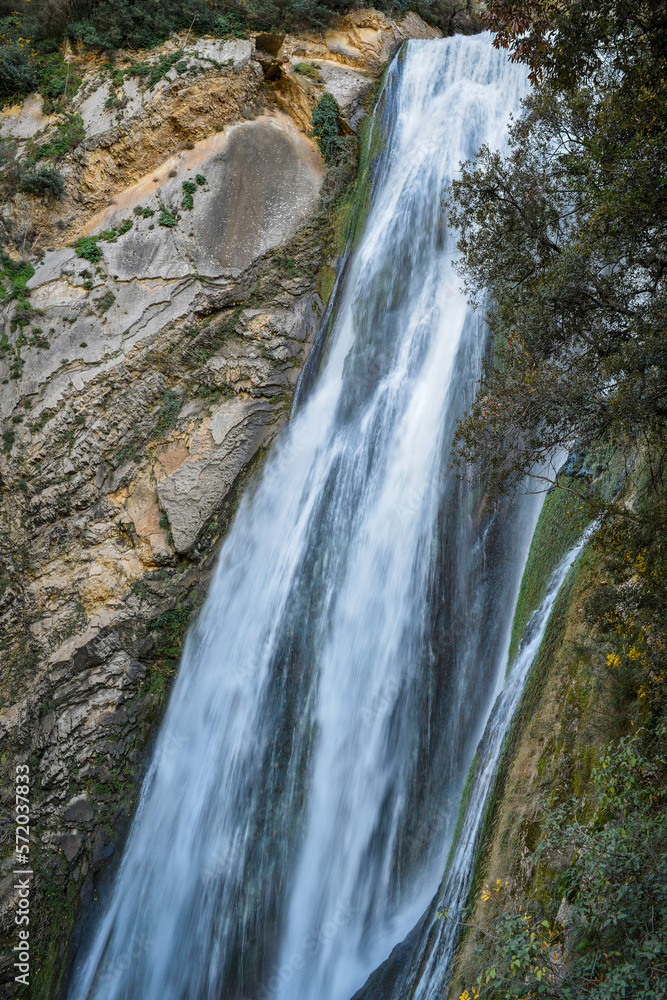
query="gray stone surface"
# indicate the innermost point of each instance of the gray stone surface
(22, 122)
(79, 810)
(348, 86)
(262, 182)
(192, 493)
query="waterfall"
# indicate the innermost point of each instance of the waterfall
(305, 782)
(427, 976)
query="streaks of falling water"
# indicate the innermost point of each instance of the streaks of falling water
(428, 974)
(308, 770)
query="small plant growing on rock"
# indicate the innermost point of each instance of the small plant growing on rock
(113, 100)
(189, 188)
(111, 235)
(38, 340)
(87, 248)
(309, 70)
(67, 135)
(138, 69)
(23, 314)
(200, 179)
(165, 218)
(105, 302)
(157, 70)
(15, 273)
(166, 415)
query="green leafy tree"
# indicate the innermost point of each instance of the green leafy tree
(17, 75)
(564, 241)
(564, 245)
(567, 236)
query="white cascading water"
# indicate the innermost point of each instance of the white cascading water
(305, 782)
(427, 974)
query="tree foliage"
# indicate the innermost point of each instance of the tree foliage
(565, 239)
(43, 180)
(17, 75)
(568, 234)
(325, 124)
(564, 244)
(110, 24)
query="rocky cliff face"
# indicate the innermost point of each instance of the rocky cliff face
(143, 372)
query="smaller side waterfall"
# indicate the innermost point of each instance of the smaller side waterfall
(428, 974)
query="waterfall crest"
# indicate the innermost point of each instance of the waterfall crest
(305, 781)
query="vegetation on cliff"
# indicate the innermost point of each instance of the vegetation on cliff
(33, 30)
(566, 237)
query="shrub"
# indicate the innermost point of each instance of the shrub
(88, 248)
(162, 66)
(309, 70)
(105, 301)
(56, 80)
(230, 25)
(189, 188)
(17, 76)
(138, 69)
(615, 886)
(67, 135)
(325, 123)
(10, 169)
(165, 218)
(111, 235)
(168, 412)
(43, 180)
(17, 272)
